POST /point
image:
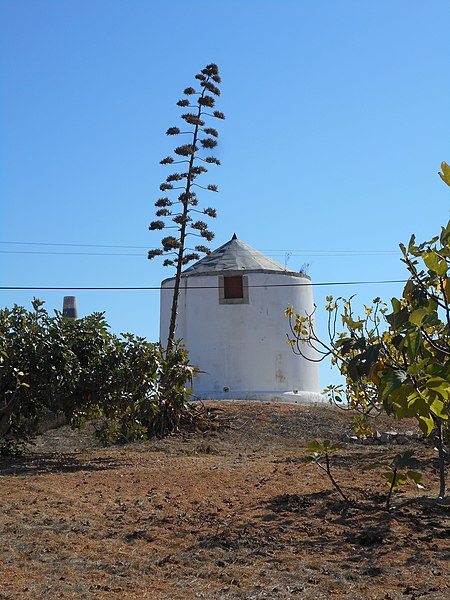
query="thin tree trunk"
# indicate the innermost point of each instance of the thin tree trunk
(333, 481)
(176, 290)
(441, 459)
(5, 414)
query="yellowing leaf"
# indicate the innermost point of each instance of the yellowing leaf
(374, 374)
(440, 386)
(289, 312)
(401, 479)
(445, 175)
(438, 408)
(426, 424)
(447, 288)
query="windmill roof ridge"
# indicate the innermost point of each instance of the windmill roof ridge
(235, 255)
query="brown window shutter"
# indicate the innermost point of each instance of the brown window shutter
(233, 287)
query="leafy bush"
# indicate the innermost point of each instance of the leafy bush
(399, 361)
(58, 364)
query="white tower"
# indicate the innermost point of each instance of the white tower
(231, 319)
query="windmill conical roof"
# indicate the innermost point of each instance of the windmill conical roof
(234, 256)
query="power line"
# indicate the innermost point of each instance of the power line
(271, 251)
(205, 287)
(309, 253)
(71, 253)
(74, 245)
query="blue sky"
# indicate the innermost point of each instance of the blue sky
(337, 121)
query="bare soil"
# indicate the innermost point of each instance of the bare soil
(237, 512)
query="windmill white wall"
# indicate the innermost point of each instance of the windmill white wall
(240, 345)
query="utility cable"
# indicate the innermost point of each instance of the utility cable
(297, 253)
(200, 287)
(272, 251)
(74, 245)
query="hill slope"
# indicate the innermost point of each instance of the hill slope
(237, 512)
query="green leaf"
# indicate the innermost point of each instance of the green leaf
(408, 289)
(438, 383)
(345, 344)
(412, 344)
(418, 367)
(315, 446)
(434, 263)
(400, 400)
(437, 370)
(391, 381)
(412, 244)
(397, 318)
(414, 476)
(396, 305)
(353, 370)
(418, 316)
(401, 461)
(318, 447)
(416, 405)
(445, 235)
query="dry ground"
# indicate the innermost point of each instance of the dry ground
(233, 513)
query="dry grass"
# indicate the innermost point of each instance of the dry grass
(236, 513)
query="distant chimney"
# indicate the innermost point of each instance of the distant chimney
(70, 308)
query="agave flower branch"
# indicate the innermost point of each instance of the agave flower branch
(204, 138)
